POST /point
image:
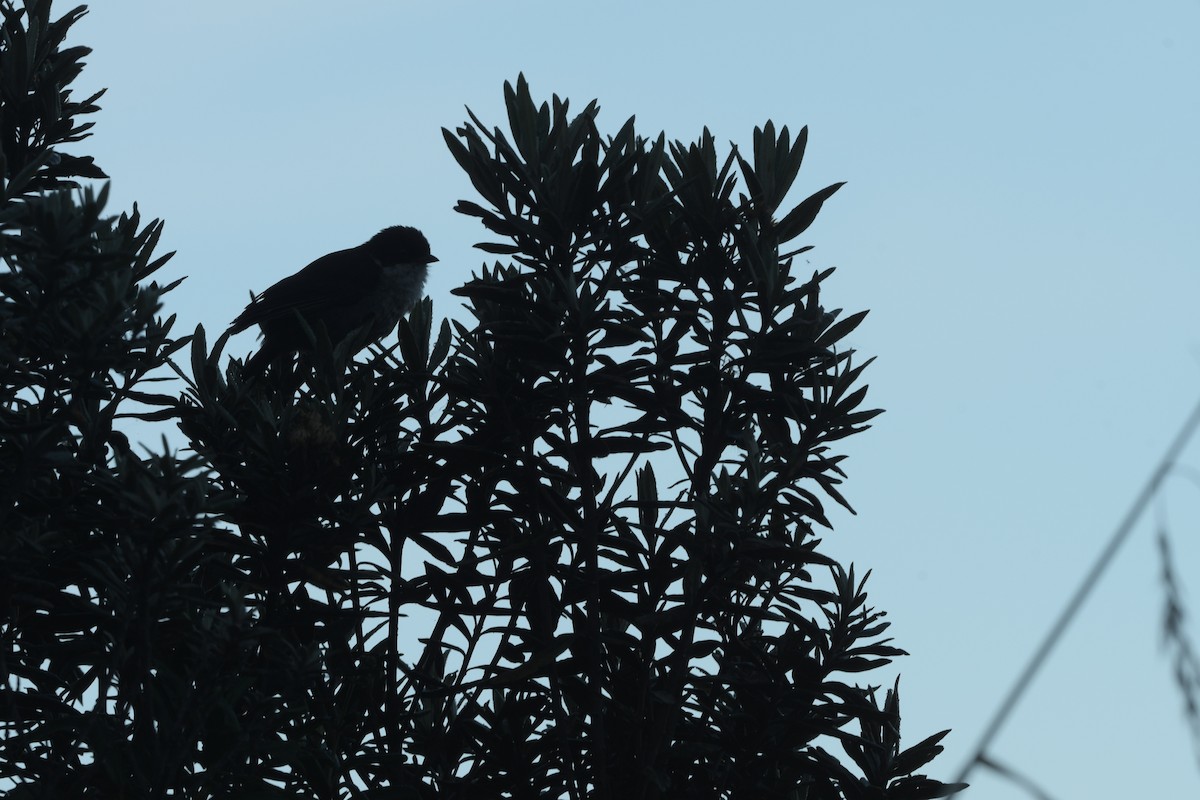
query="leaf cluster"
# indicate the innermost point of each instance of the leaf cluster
(37, 114)
(566, 549)
(103, 611)
(657, 640)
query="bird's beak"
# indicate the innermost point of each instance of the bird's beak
(431, 259)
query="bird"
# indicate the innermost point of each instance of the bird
(362, 291)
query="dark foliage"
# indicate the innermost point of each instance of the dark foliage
(1185, 660)
(567, 550)
(37, 114)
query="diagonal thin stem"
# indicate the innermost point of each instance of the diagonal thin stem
(1081, 594)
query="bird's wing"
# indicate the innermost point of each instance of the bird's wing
(333, 280)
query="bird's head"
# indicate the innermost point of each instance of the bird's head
(400, 245)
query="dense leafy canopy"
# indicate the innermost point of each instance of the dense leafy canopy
(564, 550)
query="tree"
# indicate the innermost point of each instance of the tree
(596, 502)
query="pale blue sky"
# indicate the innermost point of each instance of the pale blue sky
(1021, 218)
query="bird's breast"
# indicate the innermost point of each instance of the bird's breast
(399, 289)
